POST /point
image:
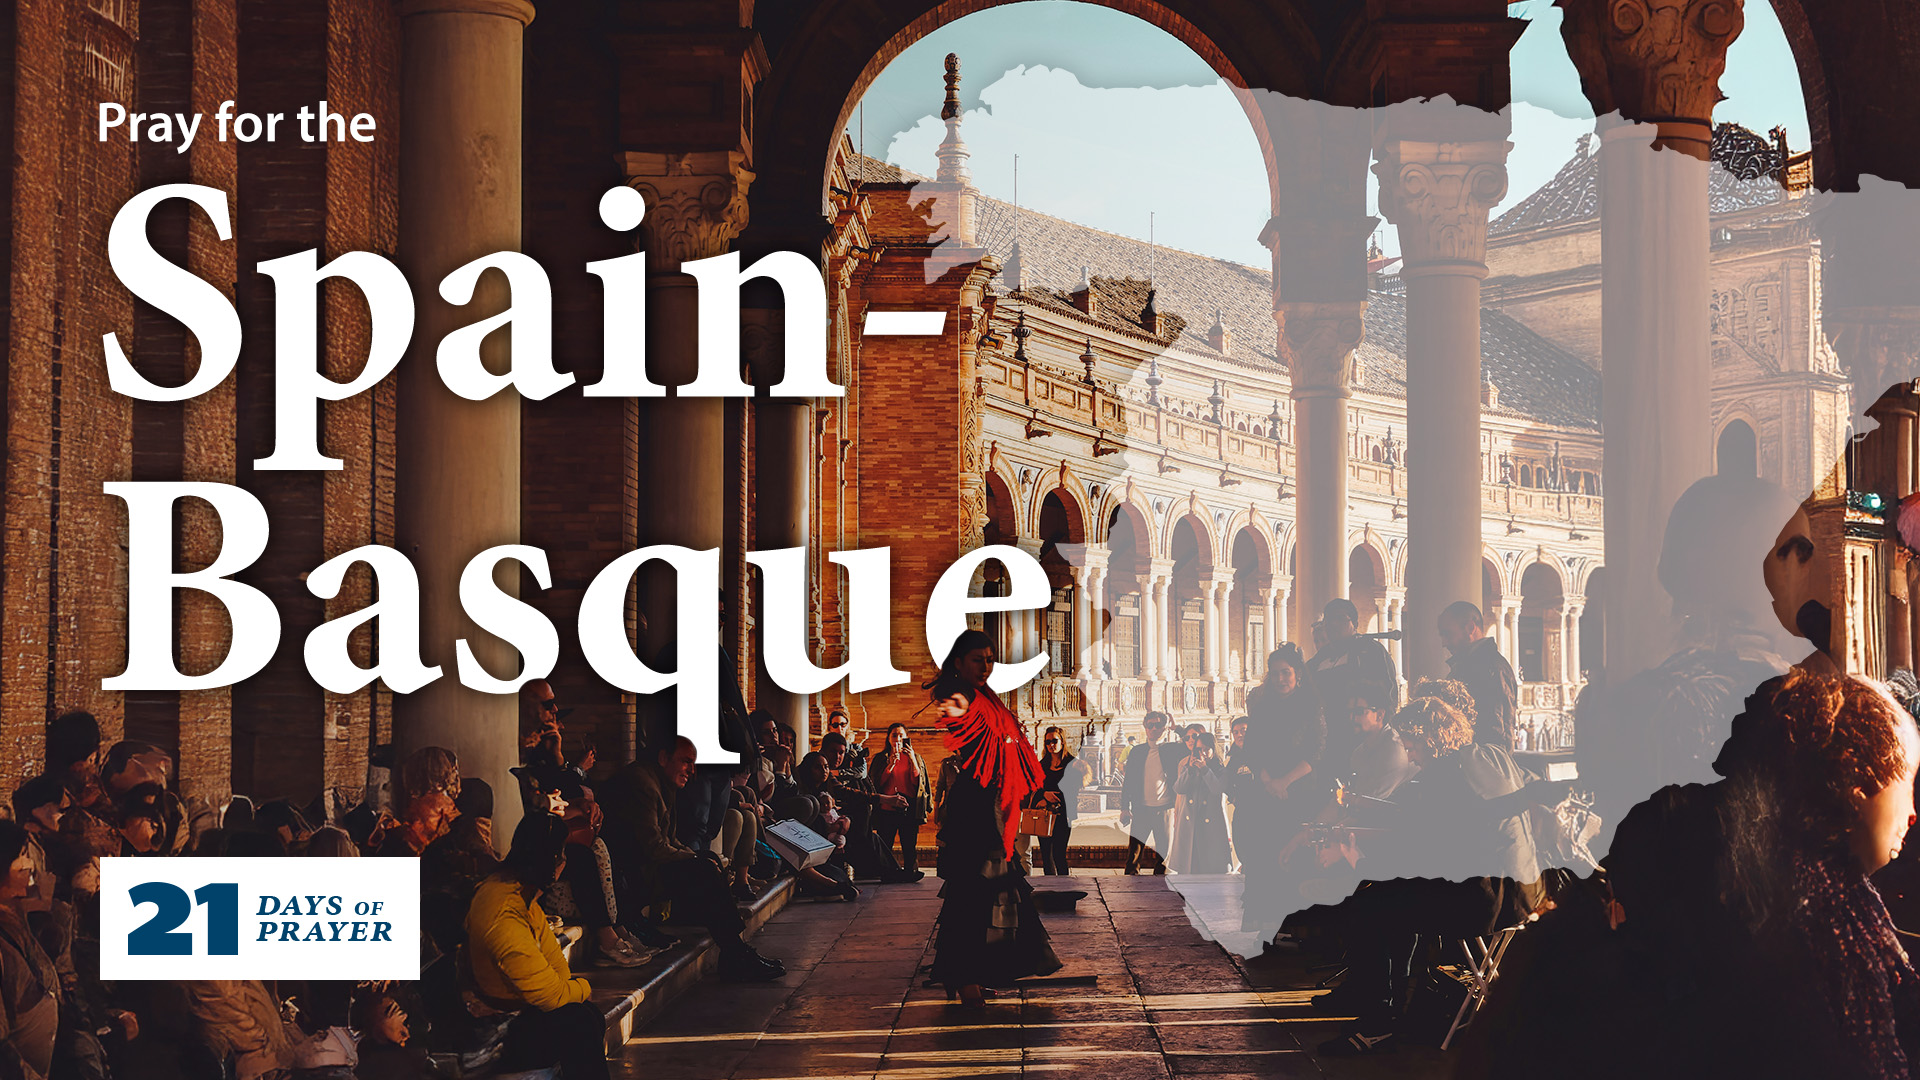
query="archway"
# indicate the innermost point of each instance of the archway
(1542, 599)
(1129, 543)
(1058, 524)
(1187, 618)
(1366, 586)
(1249, 610)
(1593, 624)
(1737, 452)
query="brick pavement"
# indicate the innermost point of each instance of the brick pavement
(1164, 1000)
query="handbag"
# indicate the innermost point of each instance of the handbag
(1036, 821)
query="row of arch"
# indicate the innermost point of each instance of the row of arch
(1190, 530)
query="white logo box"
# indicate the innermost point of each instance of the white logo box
(192, 918)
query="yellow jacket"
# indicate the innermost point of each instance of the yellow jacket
(515, 958)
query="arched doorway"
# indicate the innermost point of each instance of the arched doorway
(1129, 544)
(1251, 634)
(1542, 599)
(1059, 524)
(1737, 452)
(1366, 587)
(1187, 617)
(1593, 625)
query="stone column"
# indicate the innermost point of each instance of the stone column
(1572, 649)
(1560, 647)
(459, 466)
(1278, 606)
(1095, 644)
(1210, 661)
(696, 206)
(1397, 620)
(1319, 340)
(1159, 577)
(782, 464)
(1229, 633)
(1082, 623)
(1438, 180)
(1660, 71)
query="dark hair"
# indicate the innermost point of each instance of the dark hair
(1148, 719)
(895, 724)
(1290, 655)
(255, 845)
(122, 752)
(1206, 738)
(1238, 720)
(71, 737)
(1341, 608)
(832, 738)
(332, 841)
(36, 793)
(539, 843)
(278, 813)
(475, 798)
(13, 841)
(1463, 613)
(948, 682)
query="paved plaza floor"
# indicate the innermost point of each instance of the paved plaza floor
(1148, 991)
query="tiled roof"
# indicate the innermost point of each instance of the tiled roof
(1536, 378)
(1573, 195)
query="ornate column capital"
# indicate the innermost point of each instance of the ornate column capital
(696, 202)
(1319, 340)
(1654, 61)
(1438, 195)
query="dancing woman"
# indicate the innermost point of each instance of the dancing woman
(990, 932)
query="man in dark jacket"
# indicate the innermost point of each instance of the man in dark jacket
(639, 828)
(1350, 666)
(1475, 662)
(1146, 793)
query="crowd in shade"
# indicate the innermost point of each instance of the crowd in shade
(611, 866)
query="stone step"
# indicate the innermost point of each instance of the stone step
(630, 998)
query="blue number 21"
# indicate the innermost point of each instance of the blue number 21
(157, 936)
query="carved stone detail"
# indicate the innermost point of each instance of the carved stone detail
(1654, 61)
(696, 203)
(1319, 340)
(1438, 194)
(1878, 346)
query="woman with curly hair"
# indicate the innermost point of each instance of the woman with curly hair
(1733, 911)
(1455, 861)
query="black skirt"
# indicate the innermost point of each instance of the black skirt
(990, 931)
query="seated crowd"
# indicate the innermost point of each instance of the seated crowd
(618, 853)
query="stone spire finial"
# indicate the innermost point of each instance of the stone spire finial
(952, 153)
(1013, 274)
(1083, 296)
(1219, 337)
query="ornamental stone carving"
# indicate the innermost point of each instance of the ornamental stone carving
(1438, 195)
(1319, 340)
(1653, 61)
(696, 203)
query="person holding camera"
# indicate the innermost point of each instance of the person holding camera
(898, 771)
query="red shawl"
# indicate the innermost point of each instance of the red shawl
(993, 749)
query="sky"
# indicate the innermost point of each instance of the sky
(1063, 84)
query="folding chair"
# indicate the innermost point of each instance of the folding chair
(1477, 975)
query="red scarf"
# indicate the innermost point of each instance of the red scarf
(993, 749)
